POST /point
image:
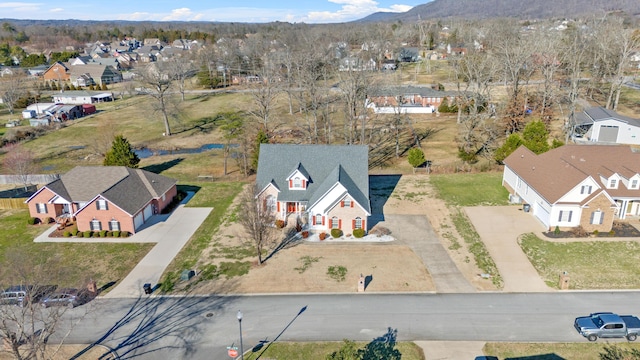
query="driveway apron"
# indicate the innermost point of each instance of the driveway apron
(171, 235)
(416, 232)
(499, 228)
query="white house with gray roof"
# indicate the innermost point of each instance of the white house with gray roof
(323, 187)
(600, 125)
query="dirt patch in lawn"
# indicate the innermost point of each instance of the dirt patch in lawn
(304, 268)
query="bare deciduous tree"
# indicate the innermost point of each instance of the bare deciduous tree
(12, 88)
(157, 81)
(20, 162)
(258, 219)
(28, 328)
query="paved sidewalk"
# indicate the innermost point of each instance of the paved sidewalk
(171, 235)
(499, 228)
(451, 350)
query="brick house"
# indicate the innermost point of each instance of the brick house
(321, 187)
(576, 185)
(104, 197)
(57, 72)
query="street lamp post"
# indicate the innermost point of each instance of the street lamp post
(239, 316)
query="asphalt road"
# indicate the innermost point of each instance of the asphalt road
(203, 327)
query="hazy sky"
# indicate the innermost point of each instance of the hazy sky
(309, 11)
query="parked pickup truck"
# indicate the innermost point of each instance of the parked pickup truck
(608, 325)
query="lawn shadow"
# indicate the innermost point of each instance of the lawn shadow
(154, 324)
(159, 168)
(291, 238)
(380, 189)
(537, 357)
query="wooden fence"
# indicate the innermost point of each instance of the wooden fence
(15, 203)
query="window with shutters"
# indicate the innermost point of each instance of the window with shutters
(318, 219)
(101, 204)
(297, 183)
(585, 189)
(358, 223)
(597, 217)
(347, 202)
(41, 208)
(565, 216)
(271, 203)
(335, 222)
(96, 225)
(114, 225)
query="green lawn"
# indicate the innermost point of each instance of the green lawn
(591, 264)
(552, 351)
(218, 195)
(102, 262)
(471, 189)
(320, 350)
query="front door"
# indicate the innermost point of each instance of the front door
(291, 207)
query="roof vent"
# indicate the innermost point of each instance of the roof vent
(533, 168)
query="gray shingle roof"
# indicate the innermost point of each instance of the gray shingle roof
(325, 165)
(599, 113)
(129, 189)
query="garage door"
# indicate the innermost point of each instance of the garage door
(608, 133)
(541, 213)
(148, 212)
(138, 221)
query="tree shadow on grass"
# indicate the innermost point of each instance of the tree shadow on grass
(158, 324)
(159, 168)
(291, 239)
(382, 347)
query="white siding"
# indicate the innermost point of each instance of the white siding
(574, 195)
(575, 216)
(323, 204)
(627, 134)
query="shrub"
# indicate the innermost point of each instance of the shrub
(103, 233)
(87, 234)
(48, 220)
(322, 236)
(74, 232)
(556, 230)
(124, 234)
(109, 233)
(595, 232)
(612, 233)
(280, 224)
(32, 220)
(358, 233)
(305, 234)
(337, 273)
(579, 231)
(116, 233)
(336, 233)
(66, 234)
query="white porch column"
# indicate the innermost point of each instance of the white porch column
(623, 209)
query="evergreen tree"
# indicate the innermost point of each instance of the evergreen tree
(510, 145)
(261, 138)
(121, 154)
(416, 158)
(536, 137)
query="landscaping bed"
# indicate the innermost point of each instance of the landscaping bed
(619, 229)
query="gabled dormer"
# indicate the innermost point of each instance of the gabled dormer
(611, 182)
(299, 178)
(633, 183)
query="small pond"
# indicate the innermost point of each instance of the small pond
(145, 152)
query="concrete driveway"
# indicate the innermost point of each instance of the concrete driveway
(171, 233)
(416, 232)
(499, 228)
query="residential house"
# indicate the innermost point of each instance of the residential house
(37, 70)
(407, 100)
(57, 72)
(354, 63)
(321, 187)
(114, 198)
(81, 97)
(600, 125)
(576, 185)
(100, 74)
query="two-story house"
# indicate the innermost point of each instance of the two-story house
(576, 185)
(322, 187)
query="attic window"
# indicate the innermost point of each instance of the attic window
(634, 184)
(297, 183)
(613, 183)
